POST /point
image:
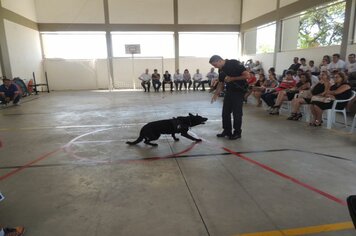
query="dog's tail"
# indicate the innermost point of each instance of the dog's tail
(138, 140)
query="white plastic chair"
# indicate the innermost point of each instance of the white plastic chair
(353, 125)
(331, 113)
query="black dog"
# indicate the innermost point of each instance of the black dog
(181, 124)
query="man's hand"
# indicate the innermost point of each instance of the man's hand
(228, 79)
(214, 98)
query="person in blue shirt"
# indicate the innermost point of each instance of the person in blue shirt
(9, 92)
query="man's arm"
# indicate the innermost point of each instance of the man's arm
(244, 76)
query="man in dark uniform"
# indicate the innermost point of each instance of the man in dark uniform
(234, 75)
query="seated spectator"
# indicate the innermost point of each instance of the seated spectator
(287, 83)
(146, 80)
(187, 79)
(198, 80)
(313, 69)
(341, 90)
(305, 98)
(351, 70)
(289, 94)
(297, 74)
(351, 64)
(257, 66)
(303, 65)
(336, 64)
(259, 72)
(7, 231)
(212, 77)
(260, 87)
(178, 80)
(9, 92)
(295, 66)
(167, 80)
(324, 66)
(249, 63)
(250, 82)
(272, 70)
(327, 58)
(156, 83)
(314, 79)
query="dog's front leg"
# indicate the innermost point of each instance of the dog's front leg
(174, 137)
(191, 137)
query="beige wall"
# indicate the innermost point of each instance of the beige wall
(70, 11)
(24, 8)
(250, 40)
(351, 49)
(286, 2)
(255, 8)
(93, 74)
(72, 74)
(24, 51)
(209, 11)
(141, 12)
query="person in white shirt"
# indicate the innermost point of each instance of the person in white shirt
(198, 79)
(303, 65)
(351, 64)
(212, 77)
(314, 79)
(351, 70)
(324, 66)
(146, 80)
(256, 67)
(312, 68)
(296, 76)
(178, 80)
(336, 64)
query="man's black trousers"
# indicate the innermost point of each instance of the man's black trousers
(233, 102)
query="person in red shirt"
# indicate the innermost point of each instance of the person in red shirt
(287, 83)
(288, 94)
(251, 81)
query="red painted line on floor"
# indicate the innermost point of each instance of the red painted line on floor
(11, 173)
(294, 180)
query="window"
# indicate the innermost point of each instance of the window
(322, 26)
(266, 36)
(206, 44)
(152, 44)
(250, 42)
(317, 27)
(74, 45)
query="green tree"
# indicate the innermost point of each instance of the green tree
(322, 26)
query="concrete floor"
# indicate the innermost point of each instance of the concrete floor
(65, 170)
